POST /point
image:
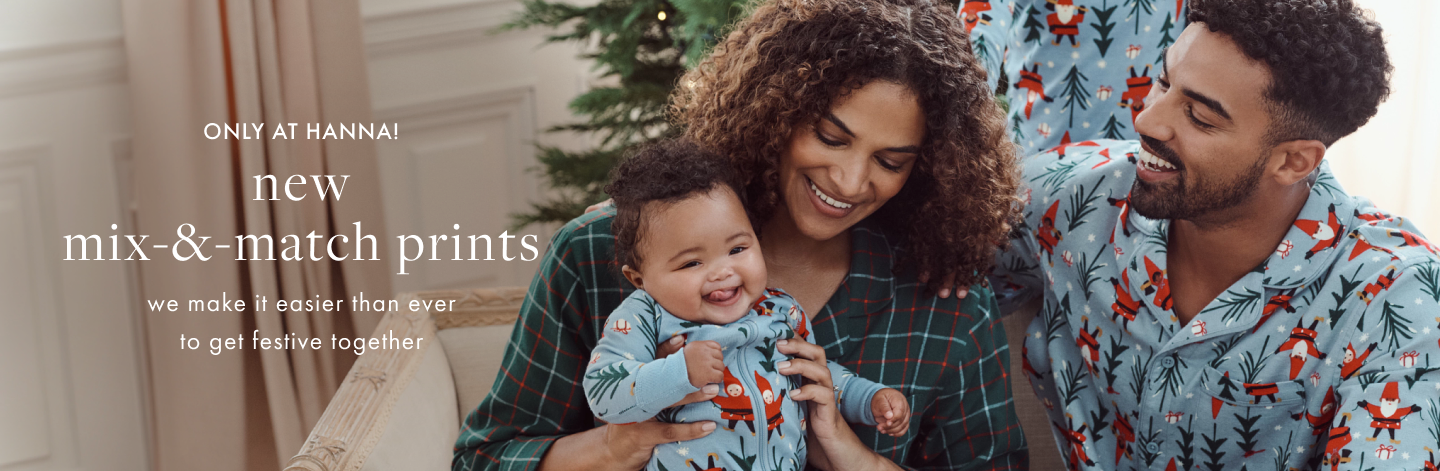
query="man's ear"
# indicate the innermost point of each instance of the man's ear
(1294, 161)
(633, 276)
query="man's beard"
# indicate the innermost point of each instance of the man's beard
(1181, 198)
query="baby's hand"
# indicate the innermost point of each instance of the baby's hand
(705, 363)
(892, 412)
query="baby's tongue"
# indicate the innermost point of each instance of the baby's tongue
(720, 295)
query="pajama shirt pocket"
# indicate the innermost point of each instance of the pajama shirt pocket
(1256, 415)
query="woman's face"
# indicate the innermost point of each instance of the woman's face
(845, 166)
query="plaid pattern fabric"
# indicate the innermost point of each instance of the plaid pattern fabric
(949, 357)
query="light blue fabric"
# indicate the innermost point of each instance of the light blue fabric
(1086, 75)
(625, 383)
(1286, 369)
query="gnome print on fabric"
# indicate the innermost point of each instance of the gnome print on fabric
(1034, 86)
(1137, 88)
(1065, 22)
(773, 400)
(1301, 344)
(1325, 233)
(1387, 415)
(735, 404)
(973, 12)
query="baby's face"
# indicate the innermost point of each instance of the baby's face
(700, 258)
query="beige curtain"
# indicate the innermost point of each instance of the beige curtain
(248, 61)
(1395, 158)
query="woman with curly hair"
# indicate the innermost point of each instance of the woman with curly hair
(871, 152)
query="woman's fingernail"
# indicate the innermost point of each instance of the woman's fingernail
(676, 340)
(783, 342)
(945, 293)
(963, 292)
(707, 426)
(783, 364)
(711, 389)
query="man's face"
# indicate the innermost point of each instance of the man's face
(1202, 131)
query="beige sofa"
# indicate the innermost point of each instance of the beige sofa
(402, 409)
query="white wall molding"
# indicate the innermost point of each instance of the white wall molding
(60, 66)
(486, 136)
(434, 27)
(442, 110)
(38, 368)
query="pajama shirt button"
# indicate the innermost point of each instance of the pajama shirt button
(1152, 447)
(1168, 362)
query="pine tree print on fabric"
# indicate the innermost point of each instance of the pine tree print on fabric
(1264, 373)
(1099, 39)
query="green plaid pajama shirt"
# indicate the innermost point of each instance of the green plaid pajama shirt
(948, 356)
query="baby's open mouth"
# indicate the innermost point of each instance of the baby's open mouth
(723, 296)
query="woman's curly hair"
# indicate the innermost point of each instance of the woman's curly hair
(787, 64)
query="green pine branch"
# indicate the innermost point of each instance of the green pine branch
(646, 53)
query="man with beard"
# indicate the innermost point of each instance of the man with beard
(1229, 174)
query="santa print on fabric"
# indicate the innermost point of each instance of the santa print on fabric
(1362, 244)
(773, 399)
(1328, 407)
(1157, 283)
(1388, 414)
(1025, 362)
(1279, 302)
(802, 327)
(1137, 88)
(1326, 234)
(1259, 390)
(1412, 240)
(972, 13)
(1065, 22)
(1381, 284)
(1089, 345)
(1352, 361)
(1301, 344)
(1034, 86)
(1125, 306)
(1047, 235)
(1335, 451)
(735, 405)
(1124, 434)
(1075, 442)
(1066, 143)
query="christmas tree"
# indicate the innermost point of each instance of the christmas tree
(1074, 92)
(1165, 39)
(644, 45)
(1103, 27)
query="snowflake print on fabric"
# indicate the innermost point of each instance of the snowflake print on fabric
(1325, 355)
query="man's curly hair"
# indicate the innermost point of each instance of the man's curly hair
(665, 172)
(1328, 66)
(787, 64)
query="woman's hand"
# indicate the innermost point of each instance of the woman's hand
(628, 447)
(833, 446)
(943, 288)
(817, 387)
(597, 206)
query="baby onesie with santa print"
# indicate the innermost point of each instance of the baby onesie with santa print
(759, 426)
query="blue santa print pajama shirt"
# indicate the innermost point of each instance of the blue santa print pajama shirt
(1073, 70)
(1324, 356)
(759, 426)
